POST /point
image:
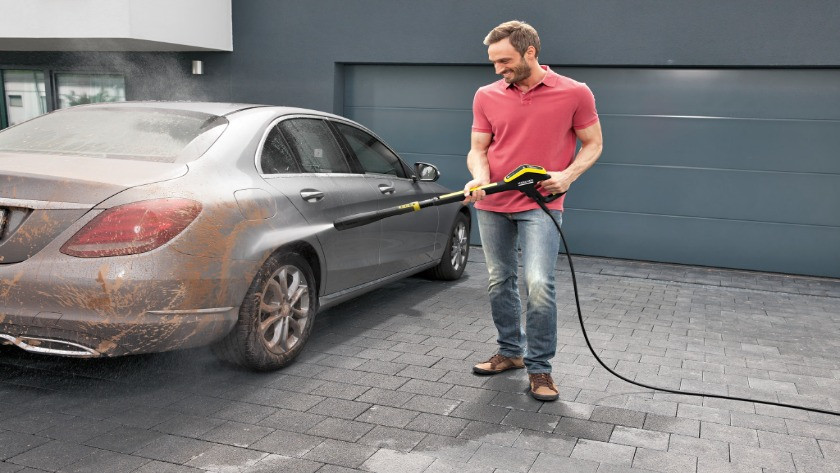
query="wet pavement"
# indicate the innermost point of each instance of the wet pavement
(385, 385)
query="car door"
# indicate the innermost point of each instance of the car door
(408, 240)
(301, 158)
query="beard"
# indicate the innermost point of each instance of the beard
(520, 72)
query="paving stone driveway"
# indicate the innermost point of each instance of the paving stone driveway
(384, 385)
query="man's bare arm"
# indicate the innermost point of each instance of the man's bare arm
(478, 165)
(591, 146)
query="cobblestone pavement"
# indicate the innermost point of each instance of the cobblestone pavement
(385, 385)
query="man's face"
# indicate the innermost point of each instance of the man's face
(509, 64)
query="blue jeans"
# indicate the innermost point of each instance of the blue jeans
(535, 233)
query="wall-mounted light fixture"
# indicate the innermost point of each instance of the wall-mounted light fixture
(197, 67)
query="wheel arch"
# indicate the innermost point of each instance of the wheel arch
(310, 254)
(466, 211)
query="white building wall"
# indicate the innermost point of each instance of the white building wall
(202, 23)
(116, 25)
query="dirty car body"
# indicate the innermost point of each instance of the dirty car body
(144, 227)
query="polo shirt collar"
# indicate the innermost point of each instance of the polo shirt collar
(550, 79)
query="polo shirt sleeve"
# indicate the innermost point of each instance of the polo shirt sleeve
(586, 115)
(481, 123)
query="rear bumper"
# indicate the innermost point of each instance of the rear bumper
(91, 336)
(122, 305)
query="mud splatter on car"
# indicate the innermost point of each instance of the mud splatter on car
(142, 227)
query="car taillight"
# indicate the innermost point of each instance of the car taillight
(132, 228)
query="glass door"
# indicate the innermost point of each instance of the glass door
(24, 95)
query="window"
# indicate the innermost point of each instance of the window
(77, 89)
(277, 157)
(23, 93)
(375, 157)
(26, 95)
(314, 144)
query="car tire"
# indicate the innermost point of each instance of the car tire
(276, 316)
(455, 254)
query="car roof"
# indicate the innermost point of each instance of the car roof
(213, 108)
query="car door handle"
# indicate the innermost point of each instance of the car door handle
(311, 195)
(386, 189)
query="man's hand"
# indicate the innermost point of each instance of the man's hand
(476, 195)
(559, 182)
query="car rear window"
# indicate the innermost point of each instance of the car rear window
(133, 133)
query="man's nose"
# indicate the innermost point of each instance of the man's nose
(499, 68)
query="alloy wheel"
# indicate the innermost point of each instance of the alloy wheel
(460, 242)
(284, 309)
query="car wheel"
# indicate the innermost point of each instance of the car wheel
(276, 317)
(455, 254)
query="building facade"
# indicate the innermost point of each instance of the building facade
(721, 119)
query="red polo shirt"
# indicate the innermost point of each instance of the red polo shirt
(537, 127)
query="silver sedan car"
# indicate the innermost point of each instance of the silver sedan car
(144, 227)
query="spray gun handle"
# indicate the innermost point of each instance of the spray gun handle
(552, 197)
(524, 178)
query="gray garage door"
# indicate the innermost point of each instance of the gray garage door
(717, 167)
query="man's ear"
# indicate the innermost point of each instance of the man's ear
(531, 52)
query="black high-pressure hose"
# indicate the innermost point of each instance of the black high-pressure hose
(524, 179)
(672, 391)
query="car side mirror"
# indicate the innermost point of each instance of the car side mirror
(426, 172)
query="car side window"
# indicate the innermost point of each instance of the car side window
(374, 156)
(277, 157)
(314, 144)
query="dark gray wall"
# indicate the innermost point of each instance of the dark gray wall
(287, 51)
(291, 52)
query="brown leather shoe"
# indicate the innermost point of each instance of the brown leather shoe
(542, 387)
(498, 363)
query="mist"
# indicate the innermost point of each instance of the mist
(148, 75)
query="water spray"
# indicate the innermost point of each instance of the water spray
(524, 179)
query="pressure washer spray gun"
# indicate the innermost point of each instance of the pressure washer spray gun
(523, 179)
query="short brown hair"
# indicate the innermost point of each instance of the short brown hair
(521, 35)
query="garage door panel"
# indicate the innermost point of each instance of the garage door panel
(417, 130)
(708, 242)
(760, 93)
(810, 199)
(764, 145)
(742, 93)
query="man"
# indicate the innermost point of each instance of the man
(535, 116)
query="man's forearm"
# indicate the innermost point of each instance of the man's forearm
(590, 149)
(584, 160)
(478, 164)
